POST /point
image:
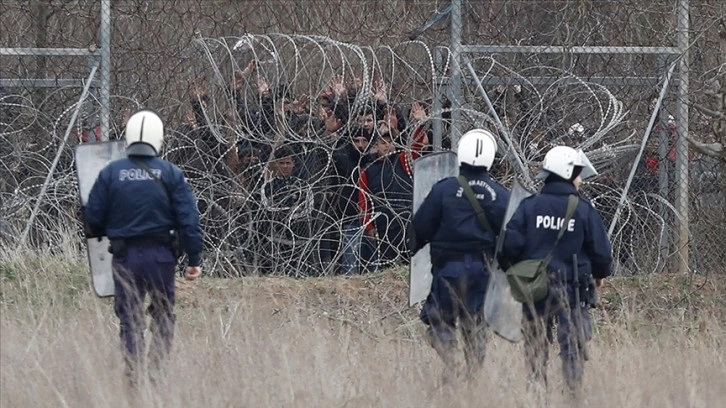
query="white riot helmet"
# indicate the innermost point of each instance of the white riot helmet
(477, 147)
(144, 133)
(562, 160)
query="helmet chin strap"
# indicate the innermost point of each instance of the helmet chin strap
(141, 149)
(468, 167)
(575, 172)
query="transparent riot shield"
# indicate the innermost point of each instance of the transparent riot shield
(502, 313)
(90, 158)
(427, 171)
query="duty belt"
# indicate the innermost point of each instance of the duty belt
(458, 257)
(147, 242)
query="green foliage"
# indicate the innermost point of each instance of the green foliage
(8, 272)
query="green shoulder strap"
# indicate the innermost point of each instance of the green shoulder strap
(475, 203)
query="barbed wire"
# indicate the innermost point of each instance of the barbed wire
(218, 111)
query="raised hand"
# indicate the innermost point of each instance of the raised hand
(262, 87)
(379, 90)
(300, 105)
(337, 86)
(238, 81)
(323, 114)
(418, 113)
(391, 119)
(241, 76)
(357, 82)
(199, 87)
(250, 68)
(383, 127)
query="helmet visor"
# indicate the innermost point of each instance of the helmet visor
(588, 170)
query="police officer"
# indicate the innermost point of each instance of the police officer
(582, 253)
(137, 202)
(459, 243)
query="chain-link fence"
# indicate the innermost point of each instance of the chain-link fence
(266, 126)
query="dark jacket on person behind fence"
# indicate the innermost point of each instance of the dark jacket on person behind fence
(386, 187)
(348, 163)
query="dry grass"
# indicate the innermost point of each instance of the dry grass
(337, 342)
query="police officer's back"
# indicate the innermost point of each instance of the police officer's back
(448, 221)
(533, 228)
(129, 203)
(137, 202)
(582, 252)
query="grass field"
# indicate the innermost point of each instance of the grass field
(340, 342)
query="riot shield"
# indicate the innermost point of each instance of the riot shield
(90, 158)
(501, 312)
(427, 171)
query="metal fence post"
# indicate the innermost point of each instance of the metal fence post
(682, 162)
(436, 104)
(105, 79)
(455, 91)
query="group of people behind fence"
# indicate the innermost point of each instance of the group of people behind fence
(293, 187)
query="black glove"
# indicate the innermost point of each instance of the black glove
(591, 294)
(411, 242)
(86, 228)
(90, 234)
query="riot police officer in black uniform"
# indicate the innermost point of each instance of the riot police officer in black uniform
(583, 252)
(149, 213)
(459, 244)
